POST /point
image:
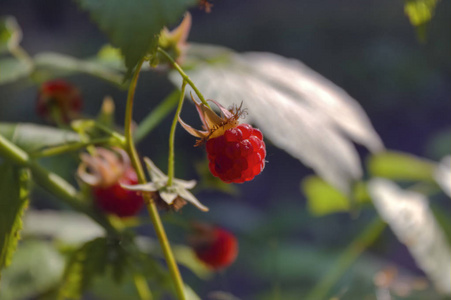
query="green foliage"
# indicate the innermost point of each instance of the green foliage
(30, 137)
(134, 25)
(86, 263)
(13, 201)
(420, 12)
(10, 34)
(12, 69)
(36, 268)
(400, 166)
(324, 199)
(63, 65)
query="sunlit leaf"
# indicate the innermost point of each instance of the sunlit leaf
(400, 166)
(134, 25)
(442, 175)
(324, 199)
(411, 219)
(31, 137)
(13, 202)
(10, 34)
(36, 267)
(12, 69)
(296, 108)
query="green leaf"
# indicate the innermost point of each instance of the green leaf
(36, 267)
(401, 166)
(32, 137)
(420, 13)
(12, 69)
(60, 62)
(324, 199)
(13, 201)
(85, 264)
(10, 34)
(134, 25)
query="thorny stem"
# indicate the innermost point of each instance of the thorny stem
(172, 136)
(352, 252)
(52, 183)
(151, 206)
(184, 75)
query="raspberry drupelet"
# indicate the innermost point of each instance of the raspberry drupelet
(236, 152)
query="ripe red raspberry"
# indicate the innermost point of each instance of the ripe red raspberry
(216, 247)
(236, 152)
(238, 155)
(116, 200)
(105, 171)
(58, 100)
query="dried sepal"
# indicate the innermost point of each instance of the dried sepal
(172, 197)
(212, 124)
(104, 167)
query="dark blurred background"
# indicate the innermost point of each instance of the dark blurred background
(368, 48)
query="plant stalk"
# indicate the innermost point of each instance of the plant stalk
(172, 136)
(184, 76)
(150, 204)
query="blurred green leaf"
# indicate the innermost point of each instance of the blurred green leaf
(10, 34)
(31, 137)
(85, 264)
(12, 69)
(323, 199)
(401, 166)
(69, 64)
(134, 25)
(36, 267)
(13, 201)
(420, 12)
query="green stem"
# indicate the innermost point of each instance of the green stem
(52, 183)
(172, 136)
(367, 237)
(156, 116)
(151, 206)
(184, 75)
(60, 149)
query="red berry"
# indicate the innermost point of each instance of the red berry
(216, 247)
(238, 155)
(60, 97)
(116, 200)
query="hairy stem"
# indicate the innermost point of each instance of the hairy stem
(150, 204)
(172, 136)
(184, 75)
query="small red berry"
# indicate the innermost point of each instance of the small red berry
(240, 156)
(116, 200)
(58, 99)
(216, 247)
(236, 152)
(106, 171)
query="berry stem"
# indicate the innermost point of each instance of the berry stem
(71, 147)
(150, 204)
(172, 136)
(184, 76)
(141, 287)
